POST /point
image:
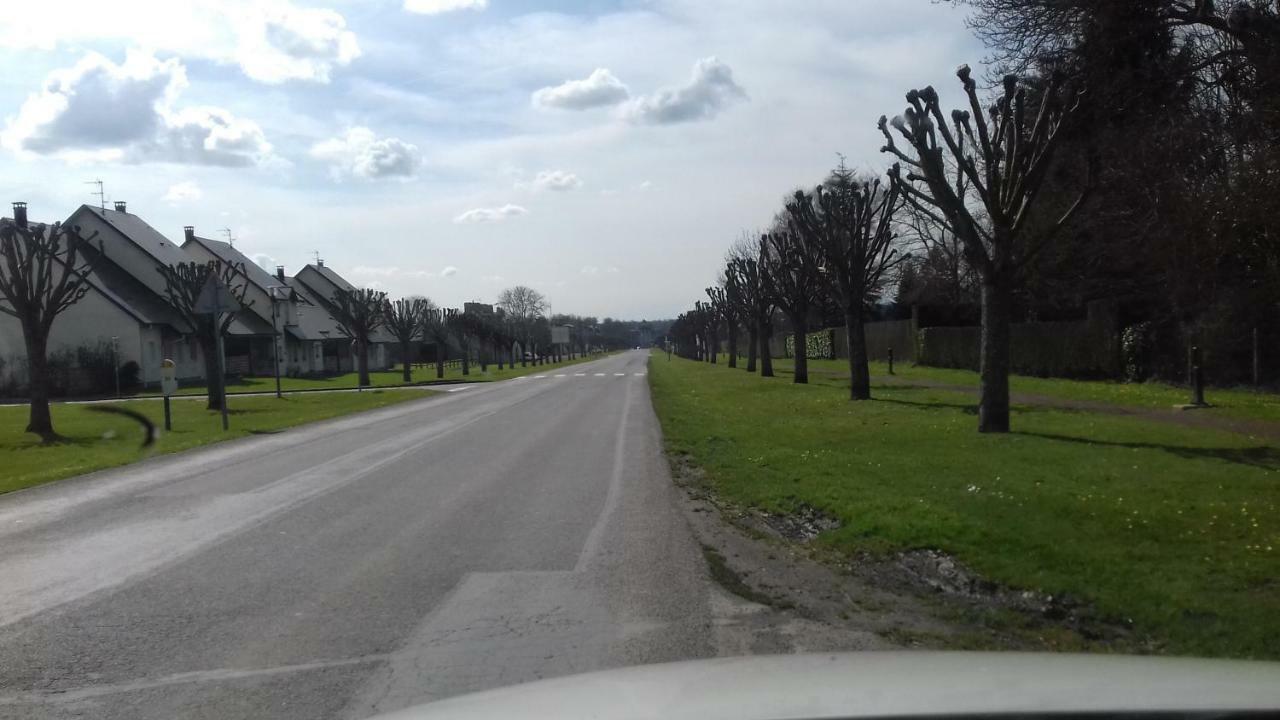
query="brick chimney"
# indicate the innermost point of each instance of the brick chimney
(189, 232)
(280, 273)
(20, 214)
(121, 206)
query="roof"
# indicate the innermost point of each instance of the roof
(127, 293)
(229, 254)
(313, 320)
(137, 231)
(321, 298)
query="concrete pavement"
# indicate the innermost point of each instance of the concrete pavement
(518, 530)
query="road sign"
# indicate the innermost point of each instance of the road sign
(560, 335)
(168, 377)
(215, 297)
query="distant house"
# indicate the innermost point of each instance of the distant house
(318, 284)
(271, 312)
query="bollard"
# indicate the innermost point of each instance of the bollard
(168, 424)
(890, 361)
(1197, 376)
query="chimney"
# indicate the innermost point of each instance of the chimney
(280, 273)
(20, 214)
(120, 206)
(189, 232)
(319, 262)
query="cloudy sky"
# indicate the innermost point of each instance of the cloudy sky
(605, 152)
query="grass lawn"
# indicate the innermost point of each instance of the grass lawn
(1235, 403)
(389, 378)
(1172, 528)
(97, 441)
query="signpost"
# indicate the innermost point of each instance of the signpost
(168, 386)
(214, 299)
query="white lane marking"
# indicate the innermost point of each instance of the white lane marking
(460, 389)
(538, 377)
(560, 376)
(595, 538)
(619, 374)
(599, 374)
(638, 374)
(579, 374)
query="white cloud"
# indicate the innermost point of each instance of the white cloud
(449, 271)
(279, 41)
(488, 215)
(710, 89)
(367, 271)
(590, 270)
(361, 153)
(611, 270)
(557, 180)
(182, 192)
(264, 261)
(435, 7)
(598, 89)
(127, 111)
(270, 40)
(645, 184)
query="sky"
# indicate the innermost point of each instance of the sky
(604, 152)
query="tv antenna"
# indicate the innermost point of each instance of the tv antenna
(102, 196)
(230, 239)
(316, 254)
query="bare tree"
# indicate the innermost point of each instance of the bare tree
(850, 225)
(791, 277)
(524, 306)
(435, 327)
(45, 271)
(183, 283)
(359, 313)
(726, 304)
(461, 324)
(404, 319)
(1000, 164)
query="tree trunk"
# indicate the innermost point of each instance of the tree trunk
(404, 360)
(497, 351)
(439, 364)
(753, 346)
(859, 370)
(715, 347)
(993, 399)
(213, 379)
(733, 347)
(362, 363)
(39, 421)
(798, 335)
(766, 357)
(466, 360)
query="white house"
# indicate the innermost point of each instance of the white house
(318, 284)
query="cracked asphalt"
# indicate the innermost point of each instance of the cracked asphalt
(514, 531)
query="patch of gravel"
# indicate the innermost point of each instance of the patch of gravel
(803, 525)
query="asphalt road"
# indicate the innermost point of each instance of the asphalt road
(500, 534)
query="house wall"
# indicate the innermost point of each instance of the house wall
(92, 319)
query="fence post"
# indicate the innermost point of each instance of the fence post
(1197, 377)
(890, 361)
(1257, 359)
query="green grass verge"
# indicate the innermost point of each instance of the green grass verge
(1237, 403)
(1174, 529)
(96, 441)
(388, 378)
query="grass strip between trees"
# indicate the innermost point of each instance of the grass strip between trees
(1174, 530)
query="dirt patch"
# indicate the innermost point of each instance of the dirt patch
(803, 596)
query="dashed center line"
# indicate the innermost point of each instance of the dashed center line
(579, 374)
(619, 374)
(599, 374)
(560, 376)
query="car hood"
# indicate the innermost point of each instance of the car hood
(878, 684)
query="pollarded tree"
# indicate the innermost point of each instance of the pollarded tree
(435, 327)
(45, 271)
(183, 283)
(979, 177)
(759, 308)
(359, 313)
(722, 298)
(850, 225)
(404, 319)
(792, 280)
(462, 325)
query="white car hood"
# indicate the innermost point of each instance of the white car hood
(878, 684)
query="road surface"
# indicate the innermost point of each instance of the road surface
(474, 539)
